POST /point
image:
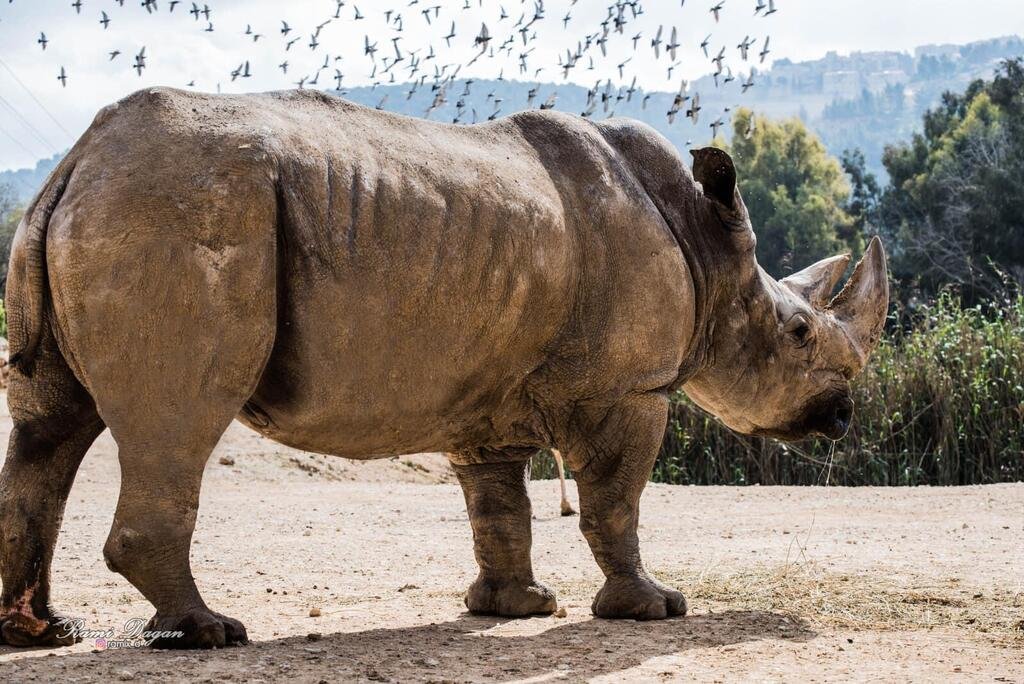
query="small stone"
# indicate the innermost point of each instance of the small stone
(560, 613)
(226, 460)
(314, 612)
(314, 636)
(125, 676)
(407, 587)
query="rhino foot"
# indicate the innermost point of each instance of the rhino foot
(20, 630)
(510, 599)
(200, 628)
(638, 598)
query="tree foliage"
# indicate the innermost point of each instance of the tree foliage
(954, 207)
(10, 215)
(795, 191)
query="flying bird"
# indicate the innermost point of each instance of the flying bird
(673, 45)
(484, 38)
(140, 61)
(656, 43)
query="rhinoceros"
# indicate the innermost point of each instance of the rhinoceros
(358, 283)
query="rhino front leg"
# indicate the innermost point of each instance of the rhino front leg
(499, 512)
(612, 469)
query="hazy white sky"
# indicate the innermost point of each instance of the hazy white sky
(178, 51)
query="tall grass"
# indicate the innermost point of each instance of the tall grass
(941, 403)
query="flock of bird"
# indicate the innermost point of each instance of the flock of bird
(392, 60)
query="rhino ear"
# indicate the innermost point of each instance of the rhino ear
(816, 282)
(716, 173)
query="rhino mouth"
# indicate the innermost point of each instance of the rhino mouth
(829, 416)
(832, 419)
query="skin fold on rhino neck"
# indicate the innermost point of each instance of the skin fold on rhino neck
(713, 285)
(725, 365)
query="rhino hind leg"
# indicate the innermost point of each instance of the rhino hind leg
(151, 535)
(499, 512)
(166, 301)
(55, 422)
(163, 447)
(611, 474)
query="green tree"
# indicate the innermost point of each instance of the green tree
(796, 193)
(865, 192)
(955, 201)
(11, 212)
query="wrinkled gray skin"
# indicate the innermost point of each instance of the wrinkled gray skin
(358, 283)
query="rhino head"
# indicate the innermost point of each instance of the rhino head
(780, 354)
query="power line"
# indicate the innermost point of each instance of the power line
(36, 99)
(29, 189)
(20, 144)
(28, 124)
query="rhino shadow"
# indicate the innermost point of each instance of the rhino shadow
(458, 650)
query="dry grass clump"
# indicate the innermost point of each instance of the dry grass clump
(858, 601)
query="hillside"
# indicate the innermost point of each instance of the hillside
(863, 100)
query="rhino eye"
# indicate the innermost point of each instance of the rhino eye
(798, 331)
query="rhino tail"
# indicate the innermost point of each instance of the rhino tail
(27, 280)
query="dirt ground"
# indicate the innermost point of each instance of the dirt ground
(798, 584)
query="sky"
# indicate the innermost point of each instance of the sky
(39, 116)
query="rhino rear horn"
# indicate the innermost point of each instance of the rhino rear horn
(816, 282)
(862, 304)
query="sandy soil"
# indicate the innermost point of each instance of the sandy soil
(791, 584)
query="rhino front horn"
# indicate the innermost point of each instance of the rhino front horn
(862, 304)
